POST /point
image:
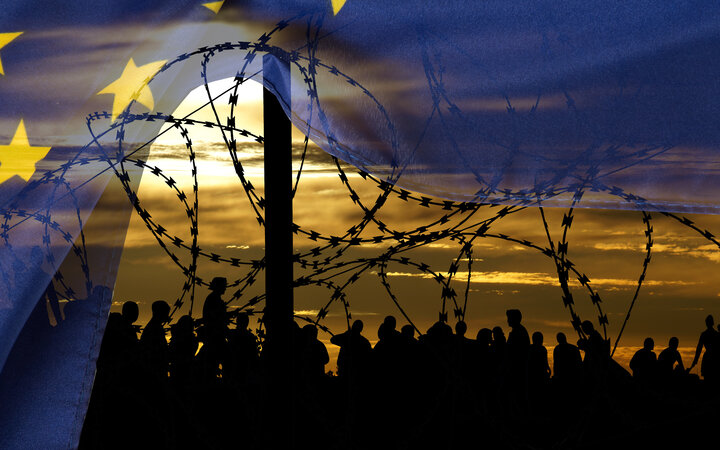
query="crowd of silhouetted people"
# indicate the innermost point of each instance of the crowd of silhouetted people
(442, 389)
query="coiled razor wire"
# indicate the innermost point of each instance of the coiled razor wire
(457, 221)
(328, 264)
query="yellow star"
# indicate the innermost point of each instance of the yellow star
(214, 6)
(19, 157)
(5, 39)
(337, 5)
(132, 85)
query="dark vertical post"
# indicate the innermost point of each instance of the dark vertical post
(278, 317)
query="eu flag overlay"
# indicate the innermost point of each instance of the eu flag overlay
(530, 103)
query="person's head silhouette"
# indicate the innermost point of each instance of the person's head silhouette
(310, 331)
(484, 336)
(460, 328)
(242, 322)
(514, 317)
(649, 344)
(537, 338)
(407, 331)
(674, 342)
(114, 323)
(161, 311)
(357, 327)
(561, 338)
(709, 321)
(587, 327)
(382, 332)
(183, 326)
(130, 311)
(218, 285)
(498, 334)
(390, 323)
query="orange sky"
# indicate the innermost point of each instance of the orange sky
(608, 246)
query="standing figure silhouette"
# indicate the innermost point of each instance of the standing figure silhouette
(644, 362)
(214, 330)
(709, 341)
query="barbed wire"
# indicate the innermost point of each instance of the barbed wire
(329, 264)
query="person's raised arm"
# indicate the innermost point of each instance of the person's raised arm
(339, 339)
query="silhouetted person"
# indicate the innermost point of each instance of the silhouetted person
(567, 362)
(111, 349)
(483, 340)
(643, 362)
(497, 352)
(518, 343)
(153, 345)
(439, 332)
(497, 371)
(518, 347)
(109, 379)
(181, 350)
(354, 354)
(315, 355)
(407, 333)
(437, 347)
(215, 314)
(214, 330)
(391, 324)
(243, 357)
(464, 351)
(538, 373)
(130, 314)
(597, 353)
(709, 341)
(353, 363)
(483, 370)
(386, 353)
(462, 364)
(538, 367)
(409, 351)
(483, 362)
(460, 330)
(119, 386)
(128, 342)
(668, 358)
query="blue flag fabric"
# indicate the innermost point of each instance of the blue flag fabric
(606, 104)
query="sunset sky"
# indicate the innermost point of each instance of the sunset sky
(513, 102)
(680, 288)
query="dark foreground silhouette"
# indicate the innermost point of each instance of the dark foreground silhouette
(440, 390)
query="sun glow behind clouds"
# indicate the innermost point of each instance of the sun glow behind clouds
(169, 151)
(210, 144)
(605, 245)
